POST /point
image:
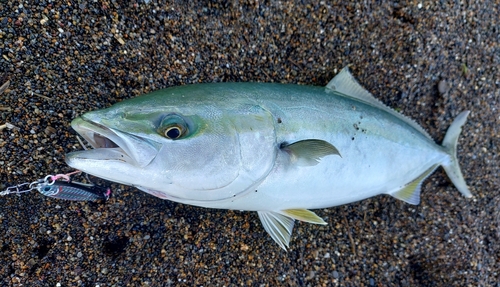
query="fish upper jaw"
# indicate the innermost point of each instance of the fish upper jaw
(110, 144)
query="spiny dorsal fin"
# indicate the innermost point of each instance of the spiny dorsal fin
(304, 215)
(309, 152)
(278, 226)
(346, 84)
(410, 193)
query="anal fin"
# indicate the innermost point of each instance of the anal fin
(410, 193)
(278, 226)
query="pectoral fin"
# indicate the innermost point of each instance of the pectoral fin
(278, 226)
(410, 193)
(309, 152)
(304, 215)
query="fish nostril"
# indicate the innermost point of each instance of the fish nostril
(103, 142)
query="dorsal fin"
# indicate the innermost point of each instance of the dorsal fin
(347, 85)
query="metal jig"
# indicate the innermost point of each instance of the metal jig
(66, 189)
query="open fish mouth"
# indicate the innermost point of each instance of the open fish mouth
(98, 140)
(113, 145)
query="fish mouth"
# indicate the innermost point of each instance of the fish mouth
(109, 144)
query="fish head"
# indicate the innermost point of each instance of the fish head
(178, 148)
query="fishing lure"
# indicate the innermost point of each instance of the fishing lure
(72, 190)
(66, 189)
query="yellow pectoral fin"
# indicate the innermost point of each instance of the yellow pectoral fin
(304, 215)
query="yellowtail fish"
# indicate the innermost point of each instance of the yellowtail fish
(278, 149)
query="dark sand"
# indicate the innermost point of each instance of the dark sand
(67, 57)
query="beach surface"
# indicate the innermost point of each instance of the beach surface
(430, 60)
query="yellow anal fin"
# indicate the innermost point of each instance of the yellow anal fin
(410, 193)
(304, 215)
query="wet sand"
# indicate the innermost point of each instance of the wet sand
(67, 57)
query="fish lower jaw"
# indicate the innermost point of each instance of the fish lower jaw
(100, 156)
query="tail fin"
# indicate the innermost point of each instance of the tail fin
(450, 145)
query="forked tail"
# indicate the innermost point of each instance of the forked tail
(450, 144)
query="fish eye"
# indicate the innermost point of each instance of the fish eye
(173, 132)
(173, 127)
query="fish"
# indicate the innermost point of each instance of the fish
(281, 150)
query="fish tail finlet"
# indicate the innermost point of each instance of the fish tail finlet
(452, 168)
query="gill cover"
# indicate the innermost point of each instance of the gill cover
(231, 153)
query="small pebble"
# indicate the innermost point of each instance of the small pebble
(443, 87)
(49, 130)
